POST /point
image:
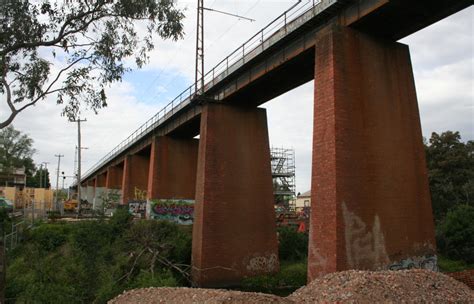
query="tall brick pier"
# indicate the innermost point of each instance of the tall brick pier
(370, 201)
(371, 205)
(234, 233)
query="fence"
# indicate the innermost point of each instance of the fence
(11, 239)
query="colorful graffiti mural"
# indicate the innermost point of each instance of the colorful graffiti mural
(177, 211)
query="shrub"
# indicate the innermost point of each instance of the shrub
(120, 221)
(293, 245)
(48, 237)
(291, 276)
(456, 234)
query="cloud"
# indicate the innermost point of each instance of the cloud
(441, 55)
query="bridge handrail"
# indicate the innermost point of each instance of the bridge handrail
(262, 39)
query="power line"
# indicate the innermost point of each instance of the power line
(156, 95)
(235, 23)
(229, 14)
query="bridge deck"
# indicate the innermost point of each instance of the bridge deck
(279, 58)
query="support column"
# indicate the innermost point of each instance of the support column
(234, 233)
(173, 165)
(370, 201)
(83, 191)
(99, 189)
(114, 179)
(135, 176)
(90, 190)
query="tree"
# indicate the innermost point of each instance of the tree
(456, 234)
(16, 151)
(40, 179)
(451, 171)
(73, 50)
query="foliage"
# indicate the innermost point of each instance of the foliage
(456, 234)
(120, 221)
(16, 151)
(5, 222)
(293, 245)
(152, 242)
(451, 172)
(93, 261)
(448, 265)
(74, 49)
(49, 237)
(293, 248)
(291, 276)
(40, 179)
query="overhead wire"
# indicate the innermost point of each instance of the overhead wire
(158, 94)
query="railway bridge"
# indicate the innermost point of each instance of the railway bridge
(371, 206)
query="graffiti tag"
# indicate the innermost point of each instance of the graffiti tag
(178, 211)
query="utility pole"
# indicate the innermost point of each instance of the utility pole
(45, 184)
(78, 183)
(57, 181)
(199, 72)
(41, 176)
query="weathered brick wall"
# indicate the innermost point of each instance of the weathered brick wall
(467, 277)
(370, 201)
(234, 233)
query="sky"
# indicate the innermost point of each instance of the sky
(442, 58)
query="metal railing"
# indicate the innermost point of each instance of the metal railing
(279, 28)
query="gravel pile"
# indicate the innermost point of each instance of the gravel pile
(410, 286)
(195, 295)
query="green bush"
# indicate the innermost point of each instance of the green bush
(120, 221)
(293, 245)
(93, 261)
(455, 235)
(291, 276)
(48, 237)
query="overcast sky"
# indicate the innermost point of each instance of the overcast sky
(442, 57)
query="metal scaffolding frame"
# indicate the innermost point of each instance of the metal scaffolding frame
(283, 174)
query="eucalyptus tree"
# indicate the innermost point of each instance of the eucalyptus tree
(72, 50)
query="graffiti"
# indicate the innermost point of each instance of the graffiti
(140, 195)
(267, 264)
(363, 246)
(177, 211)
(137, 208)
(429, 262)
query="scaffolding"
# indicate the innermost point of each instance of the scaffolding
(283, 174)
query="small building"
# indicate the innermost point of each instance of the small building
(303, 201)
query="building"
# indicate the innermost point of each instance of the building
(303, 201)
(13, 178)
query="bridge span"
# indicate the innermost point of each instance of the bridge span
(371, 206)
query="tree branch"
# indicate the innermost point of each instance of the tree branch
(62, 32)
(48, 91)
(7, 86)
